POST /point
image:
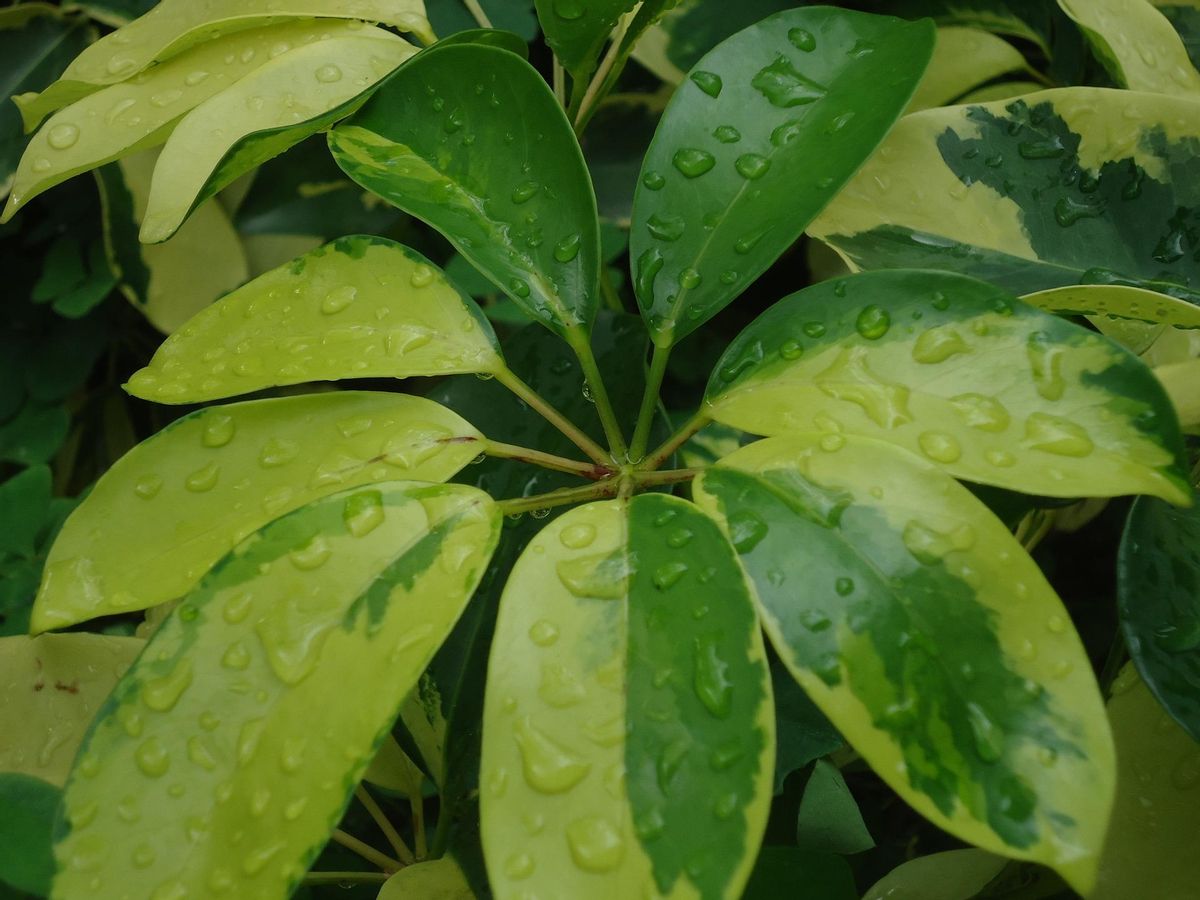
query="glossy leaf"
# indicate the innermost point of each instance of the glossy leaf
(228, 752)
(1150, 844)
(954, 370)
(627, 711)
(270, 109)
(25, 859)
(179, 501)
(1158, 599)
(1136, 44)
(50, 687)
(964, 58)
(437, 879)
(1116, 301)
(392, 768)
(772, 122)
(174, 26)
(952, 875)
(919, 625)
(170, 282)
(577, 31)
(491, 162)
(359, 307)
(133, 115)
(829, 817)
(1068, 186)
(1179, 380)
(492, 37)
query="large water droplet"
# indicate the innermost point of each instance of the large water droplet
(711, 677)
(203, 479)
(802, 40)
(578, 536)
(63, 136)
(752, 165)
(218, 429)
(278, 452)
(152, 758)
(665, 227)
(568, 248)
(938, 344)
(709, 82)
(363, 512)
(693, 162)
(980, 411)
(939, 446)
(547, 765)
(783, 85)
(312, 555)
(988, 738)
(595, 844)
(338, 299)
(848, 379)
(873, 322)
(1053, 434)
(329, 73)
(161, 694)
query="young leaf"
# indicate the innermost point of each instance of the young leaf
(919, 625)
(1150, 849)
(491, 162)
(174, 505)
(270, 109)
(228, 752)
(1117, 301)
(964, 58)
(627, 723)
(437, 879)
(952, 875)
(577, 32)
(771, 124)
(1137, 45)
(1158, 598)
(359, 307)
(1069, 186)
(956, 371)
(829, 817)
(29, 804)
(52, 686)
(174, 26)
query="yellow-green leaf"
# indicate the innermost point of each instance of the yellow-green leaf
(963, 58)
(1136, 44)
(960, 373)
(437, 879)
(391, 768)
(930, 639)
(359, 307)
(174, 26)
(1117, 301)
(179, 501)
(951, 875)
(50, 687)
(267, 111)
(227, 754)
(1151, 848)
(133, 115)
(628, 737)
(1181, 381)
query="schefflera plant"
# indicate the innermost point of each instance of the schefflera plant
(628, 732)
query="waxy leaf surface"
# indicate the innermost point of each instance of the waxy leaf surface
(50, 687)
(928, 636)
(768, 127)
(956, 371)
(229, 751)
(964, 58)
(1158, 599)
(1067, 186)
(1117, 301)
(272, 108)
(179, 501)
(628, 741)
(577, 32)
(359, 307)
(174, 26)
(471, 140)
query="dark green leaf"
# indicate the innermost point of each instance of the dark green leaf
(451, 16)
(27, 810)
(829, 819)
(23, 502)
(577, 31)
(790, 872)
(802, 733)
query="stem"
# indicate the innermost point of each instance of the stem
(418, 817)
(560, 84)
(606, 488)
(385, 825)
(477, 11)
(663, 452)
(366, 851)
(667, 476)
(599, 393)
(641, 433)
(346, 877)
(547, 460)
(592, 96)
(609, 293)
(535, 400)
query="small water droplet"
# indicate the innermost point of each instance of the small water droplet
(709, 82)
(665, 227)
(802, 40)
(873, 322)
(653, 181)
(152, 758)
(939, 446)
(195, 77)
(752, 165)
(518, 866)
(711, 679)
(329, 73)
(727, 134)
(338, 299)
(543, 632)
(578, 536)
(548, 767)
(844, 587)
(219, 429)
(746, 530)
(63, 136)
(693, 162)
(519, 288)
(148, 486)
(363, 513)
(525, 191)
(312, 555)
(989, 739)
(568, 248)
(595, 844)
(668, 574)
(570, 10)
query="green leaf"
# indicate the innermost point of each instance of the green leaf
(359, 307)
(1179, 380)
(577, 31)
(928, 636)
(229, 751)
(278, 105)
(964, 58)
(829, 818)
(628, 710)
(1158, 599)
(771, 124)
(52, 686)
(491, 162)
(952, 875)
(170, 282)
(29, 805)
(1137, 45)
(174, 505)
(955, 370)
(437, 879)
(35, 44)
(174, 26)
(23, 502)
(1116, 301)
(491, 37)
(1068, 186)
(134, 115)
(34, 434)
(1184, 17)
(1150, 842)
(780, 869)
(392, 768)
(450, 17)
(802, 733)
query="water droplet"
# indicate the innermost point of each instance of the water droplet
(680, 537)
(519, 288)
(746, 530)
(148, 486)
(42, 164)
(1179, 637)
(236, 656)
(873, 322)
(668, 574)
(143, 856)
(939, 446)
(791, 349)
(338, 299)
(312, 555)
(1049, 148)
(570, 9)
(120, 65)
(595, 844)
(784, 134)
(195, 77)
(328, 74)
(849, 379)
(547, 765)
(543, 632)
(518, 866)
(802, 40)
(363, 513)
(650, 263)
(752, 165)
(813, 329)
(166, 98)
(665, 227)
(1052, 434)
(161, 694)
(709, 82)
(938, 344)
(653, 181)
(989, 739)
(693, 162)
(1045, 361)
(1068, 210)
(257, 860)
(689, 279)
(277, 452)
(568, 248)
(218, 429)
(1000, 458)
(151, 758)
(203, 479)
(578, 536)
(237, 608)
(525, 191)
(982, 412)
(727, 134)
(930, 545)
(711, 679)
(783, 85)
(844, 587)
(199, 753)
